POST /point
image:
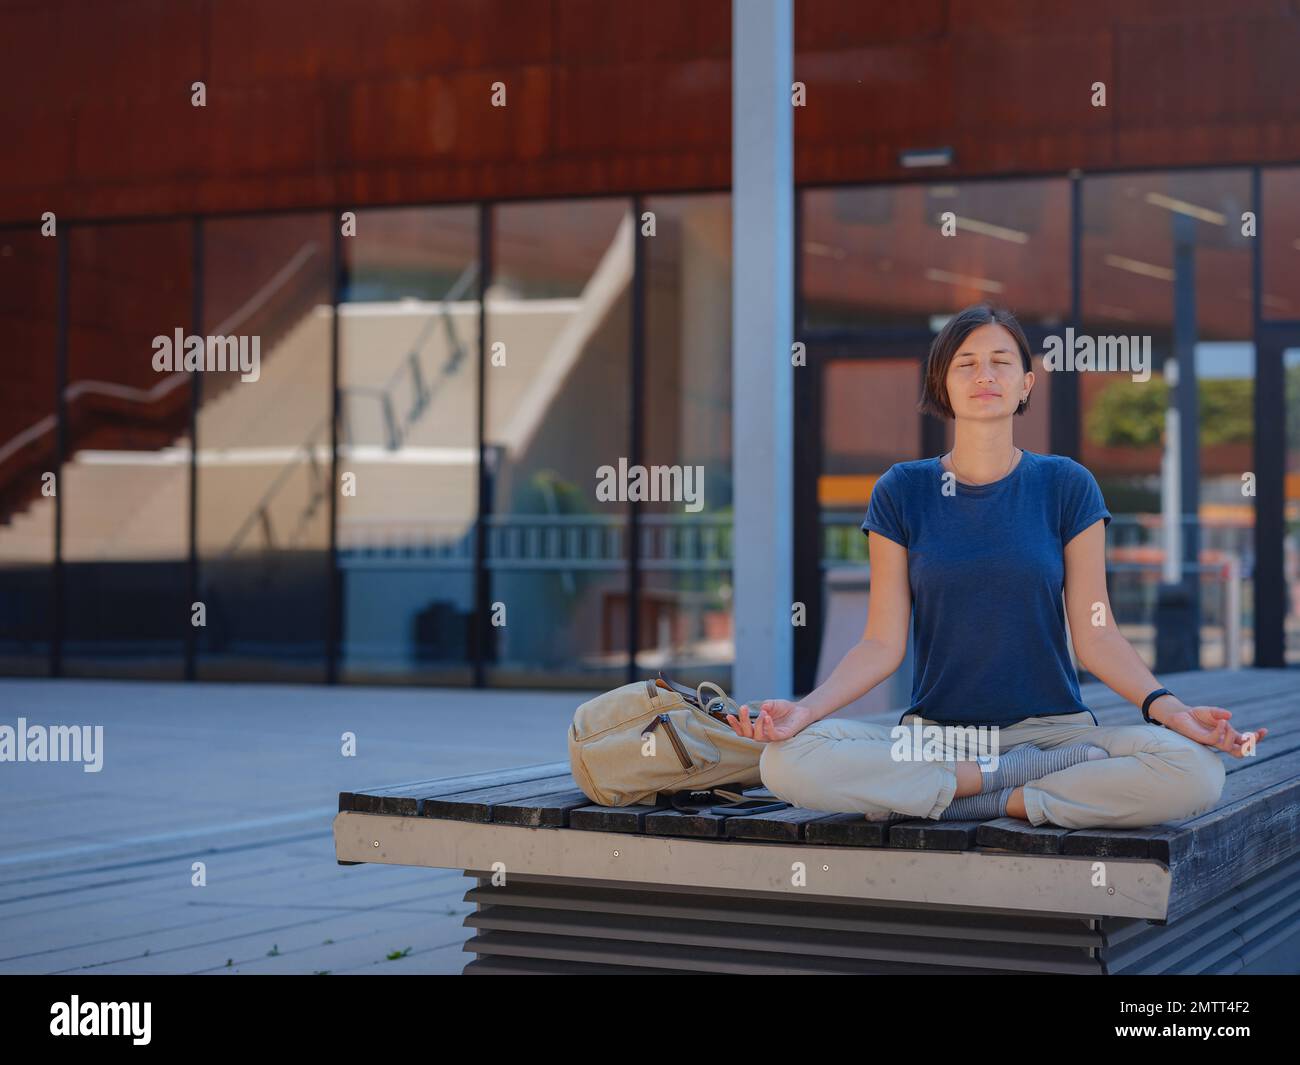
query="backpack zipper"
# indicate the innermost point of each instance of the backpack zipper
(674, 738)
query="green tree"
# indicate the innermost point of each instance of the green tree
(1132, 415)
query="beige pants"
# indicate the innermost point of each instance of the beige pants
(1152, 776)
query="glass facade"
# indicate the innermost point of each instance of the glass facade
(557, 386)
(423, 470)
(1291, 513)
(895, 256)
(1279, 303)
(1279, 237)
(1166, 275)
(28, 449)
(685, 625)
(408, 445)
(262, 525)
(124, 482)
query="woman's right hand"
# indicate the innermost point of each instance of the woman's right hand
(778, 719)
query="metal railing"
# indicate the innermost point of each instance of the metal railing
(1133, 584)
(396, 429)
(410, 372)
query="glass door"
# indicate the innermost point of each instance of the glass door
(855, 416)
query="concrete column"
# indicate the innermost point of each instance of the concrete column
(762, 389)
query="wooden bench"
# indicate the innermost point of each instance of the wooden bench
(637, 890)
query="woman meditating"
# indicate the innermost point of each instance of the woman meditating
(980, 544)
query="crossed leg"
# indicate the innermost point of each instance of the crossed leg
(1152, 776)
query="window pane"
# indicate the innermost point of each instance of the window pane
(685, 627)
(1279, 233)
(125, 488)
(1158, 248)
(558, 325)
(264, 450)
(1291, 506)
(28, 442)
(408, 433)
(879, 256)
(878, 392)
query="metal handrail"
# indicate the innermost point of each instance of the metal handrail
(396, 432)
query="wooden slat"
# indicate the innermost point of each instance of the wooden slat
(1170, 843)
(785, 826)
(1281, 721)
(1107, 842)
(1011, 834)
(540, 811)
(1232, 844)
(1251, 711)
(476, 804)
(404, 799)
(1233, 690)
(924, 834)
(1160, 841)
(676, 823)
(849, 830)
(611, 818)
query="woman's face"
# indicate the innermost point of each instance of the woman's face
(985, 378)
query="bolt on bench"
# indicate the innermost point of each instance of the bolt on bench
(594, 889)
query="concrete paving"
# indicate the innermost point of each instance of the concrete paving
(97, 868)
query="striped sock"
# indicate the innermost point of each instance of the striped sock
(985, 806)
(1027, 763)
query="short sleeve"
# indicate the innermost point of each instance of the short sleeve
(1082, 503)
(884, 515)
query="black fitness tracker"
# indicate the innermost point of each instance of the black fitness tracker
(1146, 704)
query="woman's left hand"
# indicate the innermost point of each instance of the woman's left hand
(1209, 725)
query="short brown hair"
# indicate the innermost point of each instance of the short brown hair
(934, 397)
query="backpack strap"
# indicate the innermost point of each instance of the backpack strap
(718, 706)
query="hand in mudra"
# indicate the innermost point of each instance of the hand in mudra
(778, 719)
(1209, 725)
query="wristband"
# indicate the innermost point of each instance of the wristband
(1146, 704)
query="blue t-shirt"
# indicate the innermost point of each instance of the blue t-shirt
(986, 566)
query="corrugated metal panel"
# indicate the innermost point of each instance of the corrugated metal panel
(504, 965)
(1255, 927)
(600, 927)
(552, 926)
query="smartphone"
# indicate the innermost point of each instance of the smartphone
(748, 806)
(721, 713)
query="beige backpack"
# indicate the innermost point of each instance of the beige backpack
(694, 749)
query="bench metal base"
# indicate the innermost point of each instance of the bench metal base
(559, 900)
(558, 926)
